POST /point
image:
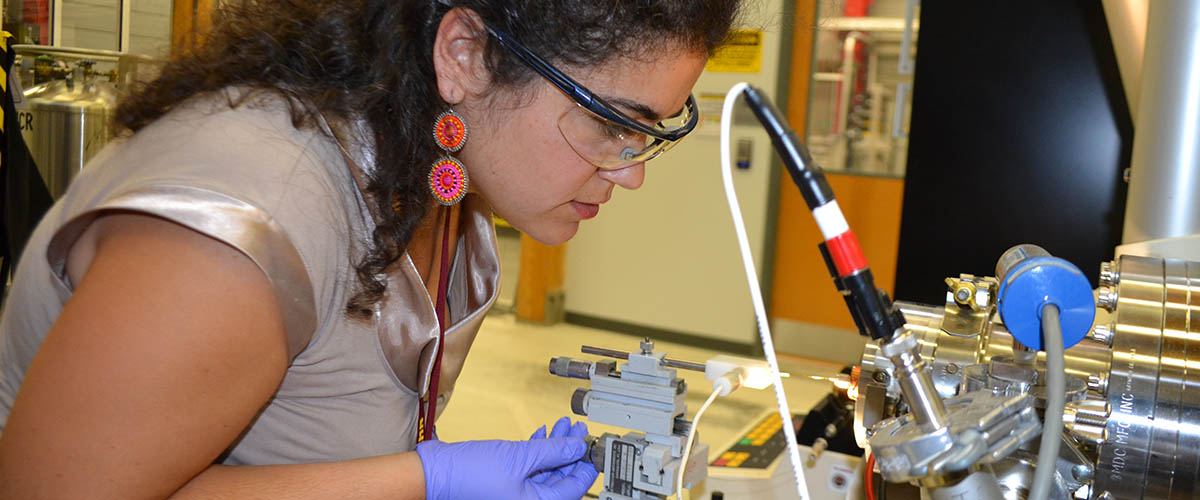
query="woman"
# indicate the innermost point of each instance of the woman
(249, 295)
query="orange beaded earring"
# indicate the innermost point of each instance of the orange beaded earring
(448, 177)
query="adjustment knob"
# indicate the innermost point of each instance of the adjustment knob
(1031, 279)
(579, 402)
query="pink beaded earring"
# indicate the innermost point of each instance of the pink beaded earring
(448, 177)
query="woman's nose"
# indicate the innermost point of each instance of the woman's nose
(630, 177)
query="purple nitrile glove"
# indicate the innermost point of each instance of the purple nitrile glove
(582, 470)
(503, 469)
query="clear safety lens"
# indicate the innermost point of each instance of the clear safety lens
(609, 145)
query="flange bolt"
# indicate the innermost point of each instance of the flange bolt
(1107, 298)
(1108, 273)
(1102, 333)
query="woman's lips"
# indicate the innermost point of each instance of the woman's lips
(585, 210)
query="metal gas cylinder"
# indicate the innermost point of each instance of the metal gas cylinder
(68, 121)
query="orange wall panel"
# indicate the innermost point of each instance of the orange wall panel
(541, 272)
(803, 290)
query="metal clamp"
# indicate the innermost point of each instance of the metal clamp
(982, 428)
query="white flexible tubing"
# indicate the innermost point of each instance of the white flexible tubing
(760, 311)
(687, 449)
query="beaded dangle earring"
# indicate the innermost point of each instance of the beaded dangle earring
(448, 177)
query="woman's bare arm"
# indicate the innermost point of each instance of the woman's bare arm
(170, 345)
(398, 477)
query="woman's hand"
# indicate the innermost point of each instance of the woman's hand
(543, 468)
(580, 469)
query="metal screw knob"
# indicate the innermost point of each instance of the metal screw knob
(1090, 411)
(818, 447)
(595, 454)
(1097, 383)
(963, 290)
(1086, 420)
(1108, 273)
(1107, 298)
(830, 431)
(570, 368)
(1102, 333)
(579, 402)
(1081, 473)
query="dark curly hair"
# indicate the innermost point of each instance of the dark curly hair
(372, 60)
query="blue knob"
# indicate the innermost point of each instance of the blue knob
(1029, 279)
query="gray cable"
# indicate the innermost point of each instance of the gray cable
(1056, 401)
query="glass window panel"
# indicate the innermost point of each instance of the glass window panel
(91, 24)
(150, 28)
(856, 81)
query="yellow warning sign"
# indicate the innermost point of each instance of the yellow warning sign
(741, 53)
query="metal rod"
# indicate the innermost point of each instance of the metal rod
(600, 351)
(611, 353)
(683, 365)
(95, 54)
(916, 384)
(916, 381)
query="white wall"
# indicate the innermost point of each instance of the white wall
(665, 257)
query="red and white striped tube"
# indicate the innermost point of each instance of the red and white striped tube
(843, 246)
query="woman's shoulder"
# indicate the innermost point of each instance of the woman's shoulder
(245, 145)
(206, 162)
(233, 122)
(241, 175)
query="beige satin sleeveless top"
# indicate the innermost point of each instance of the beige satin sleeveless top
(284, 197)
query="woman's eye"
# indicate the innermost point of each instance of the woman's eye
(609, 129)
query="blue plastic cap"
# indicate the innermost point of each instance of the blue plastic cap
(1038, 281)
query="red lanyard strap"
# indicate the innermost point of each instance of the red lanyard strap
(429, 402)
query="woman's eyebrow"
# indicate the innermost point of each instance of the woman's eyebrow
(645, 111)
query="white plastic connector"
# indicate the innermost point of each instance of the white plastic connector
(754, 373)
(730, 381)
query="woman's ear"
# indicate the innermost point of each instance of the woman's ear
(458, 56)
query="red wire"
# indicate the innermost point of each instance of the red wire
(869, 477)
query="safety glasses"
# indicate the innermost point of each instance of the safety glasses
(599, 132)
